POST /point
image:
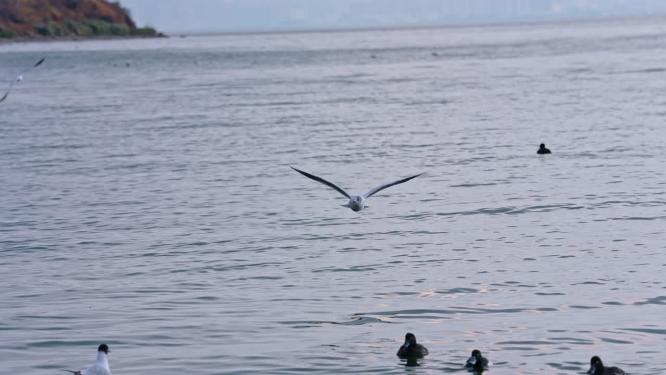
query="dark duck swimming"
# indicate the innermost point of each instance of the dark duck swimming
(410, 349)
(543, 150)
(597, 368)
(477, 362)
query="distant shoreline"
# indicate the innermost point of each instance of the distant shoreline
(186, 34)
(452, 25)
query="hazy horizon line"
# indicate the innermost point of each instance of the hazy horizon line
(461, 24)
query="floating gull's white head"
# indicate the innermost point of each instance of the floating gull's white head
(356, 202)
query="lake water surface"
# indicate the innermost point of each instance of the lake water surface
(146, 201)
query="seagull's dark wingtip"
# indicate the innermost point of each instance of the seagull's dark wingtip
(38, 63)
(297, 170)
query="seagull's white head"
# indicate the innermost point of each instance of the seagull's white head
(19, 78)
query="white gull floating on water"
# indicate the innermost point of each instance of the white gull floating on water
(18, 79)
(101, 366)
(356, 202)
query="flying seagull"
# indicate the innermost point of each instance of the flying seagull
(356, 202)
(19, 78)
(101, 366)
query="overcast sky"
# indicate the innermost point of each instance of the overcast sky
(261, 15)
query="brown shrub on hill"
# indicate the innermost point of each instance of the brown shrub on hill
(30, 18)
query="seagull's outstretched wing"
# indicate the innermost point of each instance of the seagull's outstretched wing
(19, 78)
(380, 188)
(74, 372)
(319, 179)
(9, 89)
(38, 63)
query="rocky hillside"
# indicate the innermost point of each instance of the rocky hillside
(63, 18)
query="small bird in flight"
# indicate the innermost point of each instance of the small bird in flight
(356, 202)
(19, 78)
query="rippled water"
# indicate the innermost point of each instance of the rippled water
(147, 201)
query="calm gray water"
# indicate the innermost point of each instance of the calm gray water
(147, 201)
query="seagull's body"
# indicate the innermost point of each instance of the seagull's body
(18, 79)
(101, 366)
(356, 202)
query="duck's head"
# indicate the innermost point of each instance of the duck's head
(595, 365)
(475, 360)
(410, 340)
